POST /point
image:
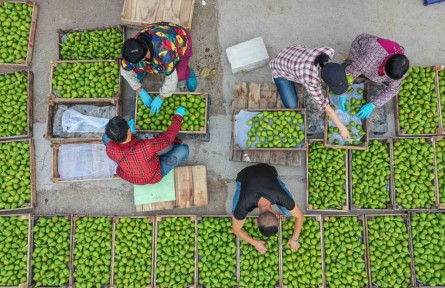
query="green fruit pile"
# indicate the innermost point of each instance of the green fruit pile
(256, 269)
(344, 253)
(133, 252)
(389, 251)
(92, 251)
(442, 92)
(175, 252)
(370, 176)
(15, 25)
(354, 104)
(414, 173)
(92, 45)
(15, 175)
(302, 268)
(51, 254)
(217, 253)
(14, 108)
(327, 177)
(13, 250)
(440, 158)
(418, 102)
(428, 232)
(194, 120)
(280, 129)
(356, 131)
(86, 80)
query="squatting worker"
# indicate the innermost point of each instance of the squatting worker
(259, 186)
(309, 67)
(159, 48)
(138, 160)
(381, 61)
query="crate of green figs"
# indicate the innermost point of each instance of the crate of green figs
(356, 97)
(15, 245)
(194, 122)
(370, 176)
(414, 183)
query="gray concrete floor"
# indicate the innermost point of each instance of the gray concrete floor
(216, 26)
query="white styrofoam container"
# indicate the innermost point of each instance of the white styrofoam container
(248, 55)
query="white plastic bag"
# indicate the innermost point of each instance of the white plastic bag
(73, 121)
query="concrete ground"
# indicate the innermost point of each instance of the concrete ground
(216, 26)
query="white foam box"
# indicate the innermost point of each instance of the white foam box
(248, 55)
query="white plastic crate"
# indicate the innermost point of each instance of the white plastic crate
(248, 55)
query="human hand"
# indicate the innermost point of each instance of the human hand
(260, 247)
(365, 111)
(345, 133)
(156, 105)
(132, 127)
(181, 111)
(145, 97)
(294, 245)
(342, 102)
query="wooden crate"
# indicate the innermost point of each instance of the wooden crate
(261, 96)
(393, 181)
(30, 89)
(73, 245)
(139, 13)
(53, 97)
(284, 242)
(390, 205)
(190, 187)
(408, 229)
(203, 130)
(199, 219)
(402, 132)
(35, 11)
(32, 164)
(151, 219)
(28, 263)
(364, 240)
(53, 107)
(55, 169)
(309, 206)
(441, 129)
(439, 202)
(33, 220)
(365, 126)
(304, 143)
(62, 32)
(160, 218)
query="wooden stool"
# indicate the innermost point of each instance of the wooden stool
(190, 190)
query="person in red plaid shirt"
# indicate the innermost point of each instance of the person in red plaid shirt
(138, 160)
(310, 67)
(380, 60)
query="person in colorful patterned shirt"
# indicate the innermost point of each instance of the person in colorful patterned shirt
(381, 61)
(159, 48)
(309, 67)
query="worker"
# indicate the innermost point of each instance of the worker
(381, 61)
(138, 160)
(309, 67)
(159, 48)
(259, 186)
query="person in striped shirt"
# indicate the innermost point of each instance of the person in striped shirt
(309, 67)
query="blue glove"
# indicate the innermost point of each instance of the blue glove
(145, 97)
(342, 101)
(365, 111)
(132, 128)
(105, 139)
(156, 105)
(181, 111)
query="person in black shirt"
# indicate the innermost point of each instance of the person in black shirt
(259, 186)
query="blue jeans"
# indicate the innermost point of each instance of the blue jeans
(173, 158)
(287, 92)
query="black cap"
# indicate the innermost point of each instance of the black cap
(134, 50)
(268, 231)
(334, 75)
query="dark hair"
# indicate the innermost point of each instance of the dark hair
(117, 129)
(396, 66)
(268, 224)
(134, 50)
(321, 60)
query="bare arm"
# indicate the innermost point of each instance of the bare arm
(237, 228)
(297, 213)
(343, 130)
